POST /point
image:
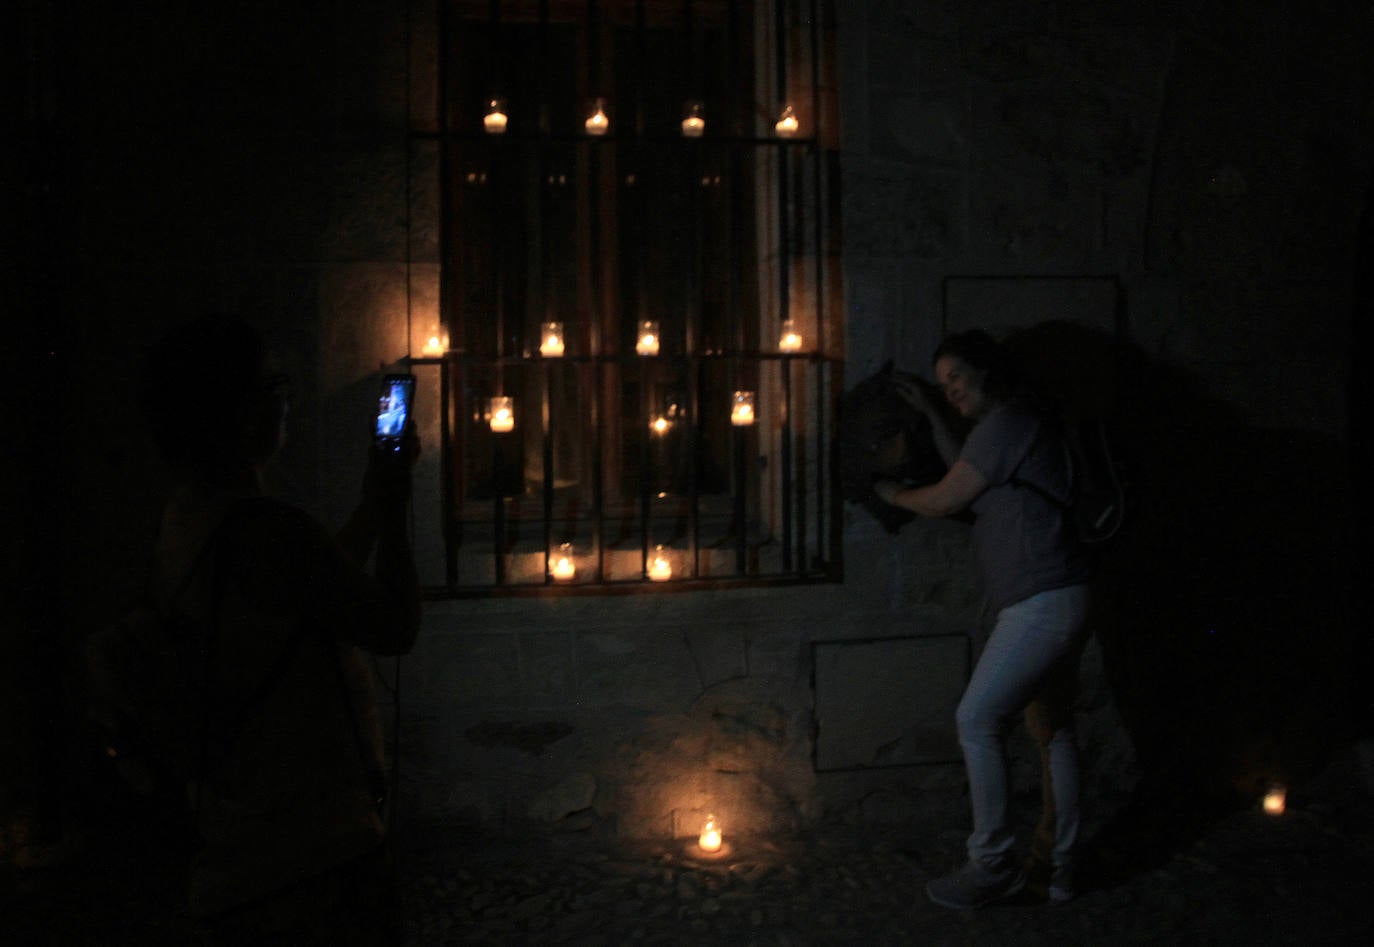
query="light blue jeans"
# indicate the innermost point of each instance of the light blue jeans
(1033, 642)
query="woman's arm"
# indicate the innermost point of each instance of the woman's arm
(909, 388)
(952, 494)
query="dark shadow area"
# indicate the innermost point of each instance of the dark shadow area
(1223, 607)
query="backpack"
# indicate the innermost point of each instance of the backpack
(1096, 505)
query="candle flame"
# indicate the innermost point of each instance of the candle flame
(1275, 800)
(710, 836)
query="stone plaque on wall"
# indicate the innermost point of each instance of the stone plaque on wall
(1001, 304)
(888, 701)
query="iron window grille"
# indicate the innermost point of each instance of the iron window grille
(603, 166)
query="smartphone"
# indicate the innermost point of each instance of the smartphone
(394, 404)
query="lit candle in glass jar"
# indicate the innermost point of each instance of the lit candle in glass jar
(647, 343)
(786, 125)
(790, 340)
(436, 343)
(1275, 800)
(561, 564)
(551, 340)
(502, 414)
(598, 122)
(742, 409)
(710, 835)
(495, 120)
(693, 120)
(660, 570)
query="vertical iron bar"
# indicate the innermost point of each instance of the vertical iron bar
(694, 371)
(446, 472)
(644, 467)
(740, 491)
(787, 463)
(547, 415)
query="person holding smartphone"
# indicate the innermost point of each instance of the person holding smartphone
(288, 799)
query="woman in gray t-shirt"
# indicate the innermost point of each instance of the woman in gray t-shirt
(1035, 576)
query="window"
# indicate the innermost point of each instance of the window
(632, 218)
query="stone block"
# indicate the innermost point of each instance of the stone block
(546, 667)
(718, 651)
(650, 667)
(888, 702)
(468, 669)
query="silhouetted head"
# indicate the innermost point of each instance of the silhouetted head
(213, 410)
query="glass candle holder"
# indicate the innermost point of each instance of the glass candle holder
(501, 414)
(660, 569)
(647, 341)
(693, 119)
(436, 343)
(561, 564)
(551, 340)
(496, 118)
(742, 409)
(598, 122)
(786, 125)
(710, 838)
(789, 340)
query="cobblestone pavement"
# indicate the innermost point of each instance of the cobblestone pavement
(1235, 877)
(1240, 877)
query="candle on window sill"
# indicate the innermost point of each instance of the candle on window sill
(502, 415)
(660, 570)
(598, 123)
(561, 564)
(742, 409)
(647, 343)
(790, 340)
(436, 344)
(551, 340)
(693, 120)
(786, 125)
(495, 120)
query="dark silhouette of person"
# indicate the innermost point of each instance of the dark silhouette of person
(287, 799)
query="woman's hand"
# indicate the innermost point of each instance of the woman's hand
(910, 390)
(388, 478)
(887, 491)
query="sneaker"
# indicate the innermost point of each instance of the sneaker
(1061, 887)
(974, 886)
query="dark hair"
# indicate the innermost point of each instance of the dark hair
(197, 386)
(1002, 380)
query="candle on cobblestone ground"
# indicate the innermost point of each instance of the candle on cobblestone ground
(710, 835)
(1275, 800)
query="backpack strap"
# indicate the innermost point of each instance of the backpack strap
(1063, 505)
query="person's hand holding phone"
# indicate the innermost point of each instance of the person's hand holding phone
(395, 445)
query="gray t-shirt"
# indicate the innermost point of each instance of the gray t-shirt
(1024, 545)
